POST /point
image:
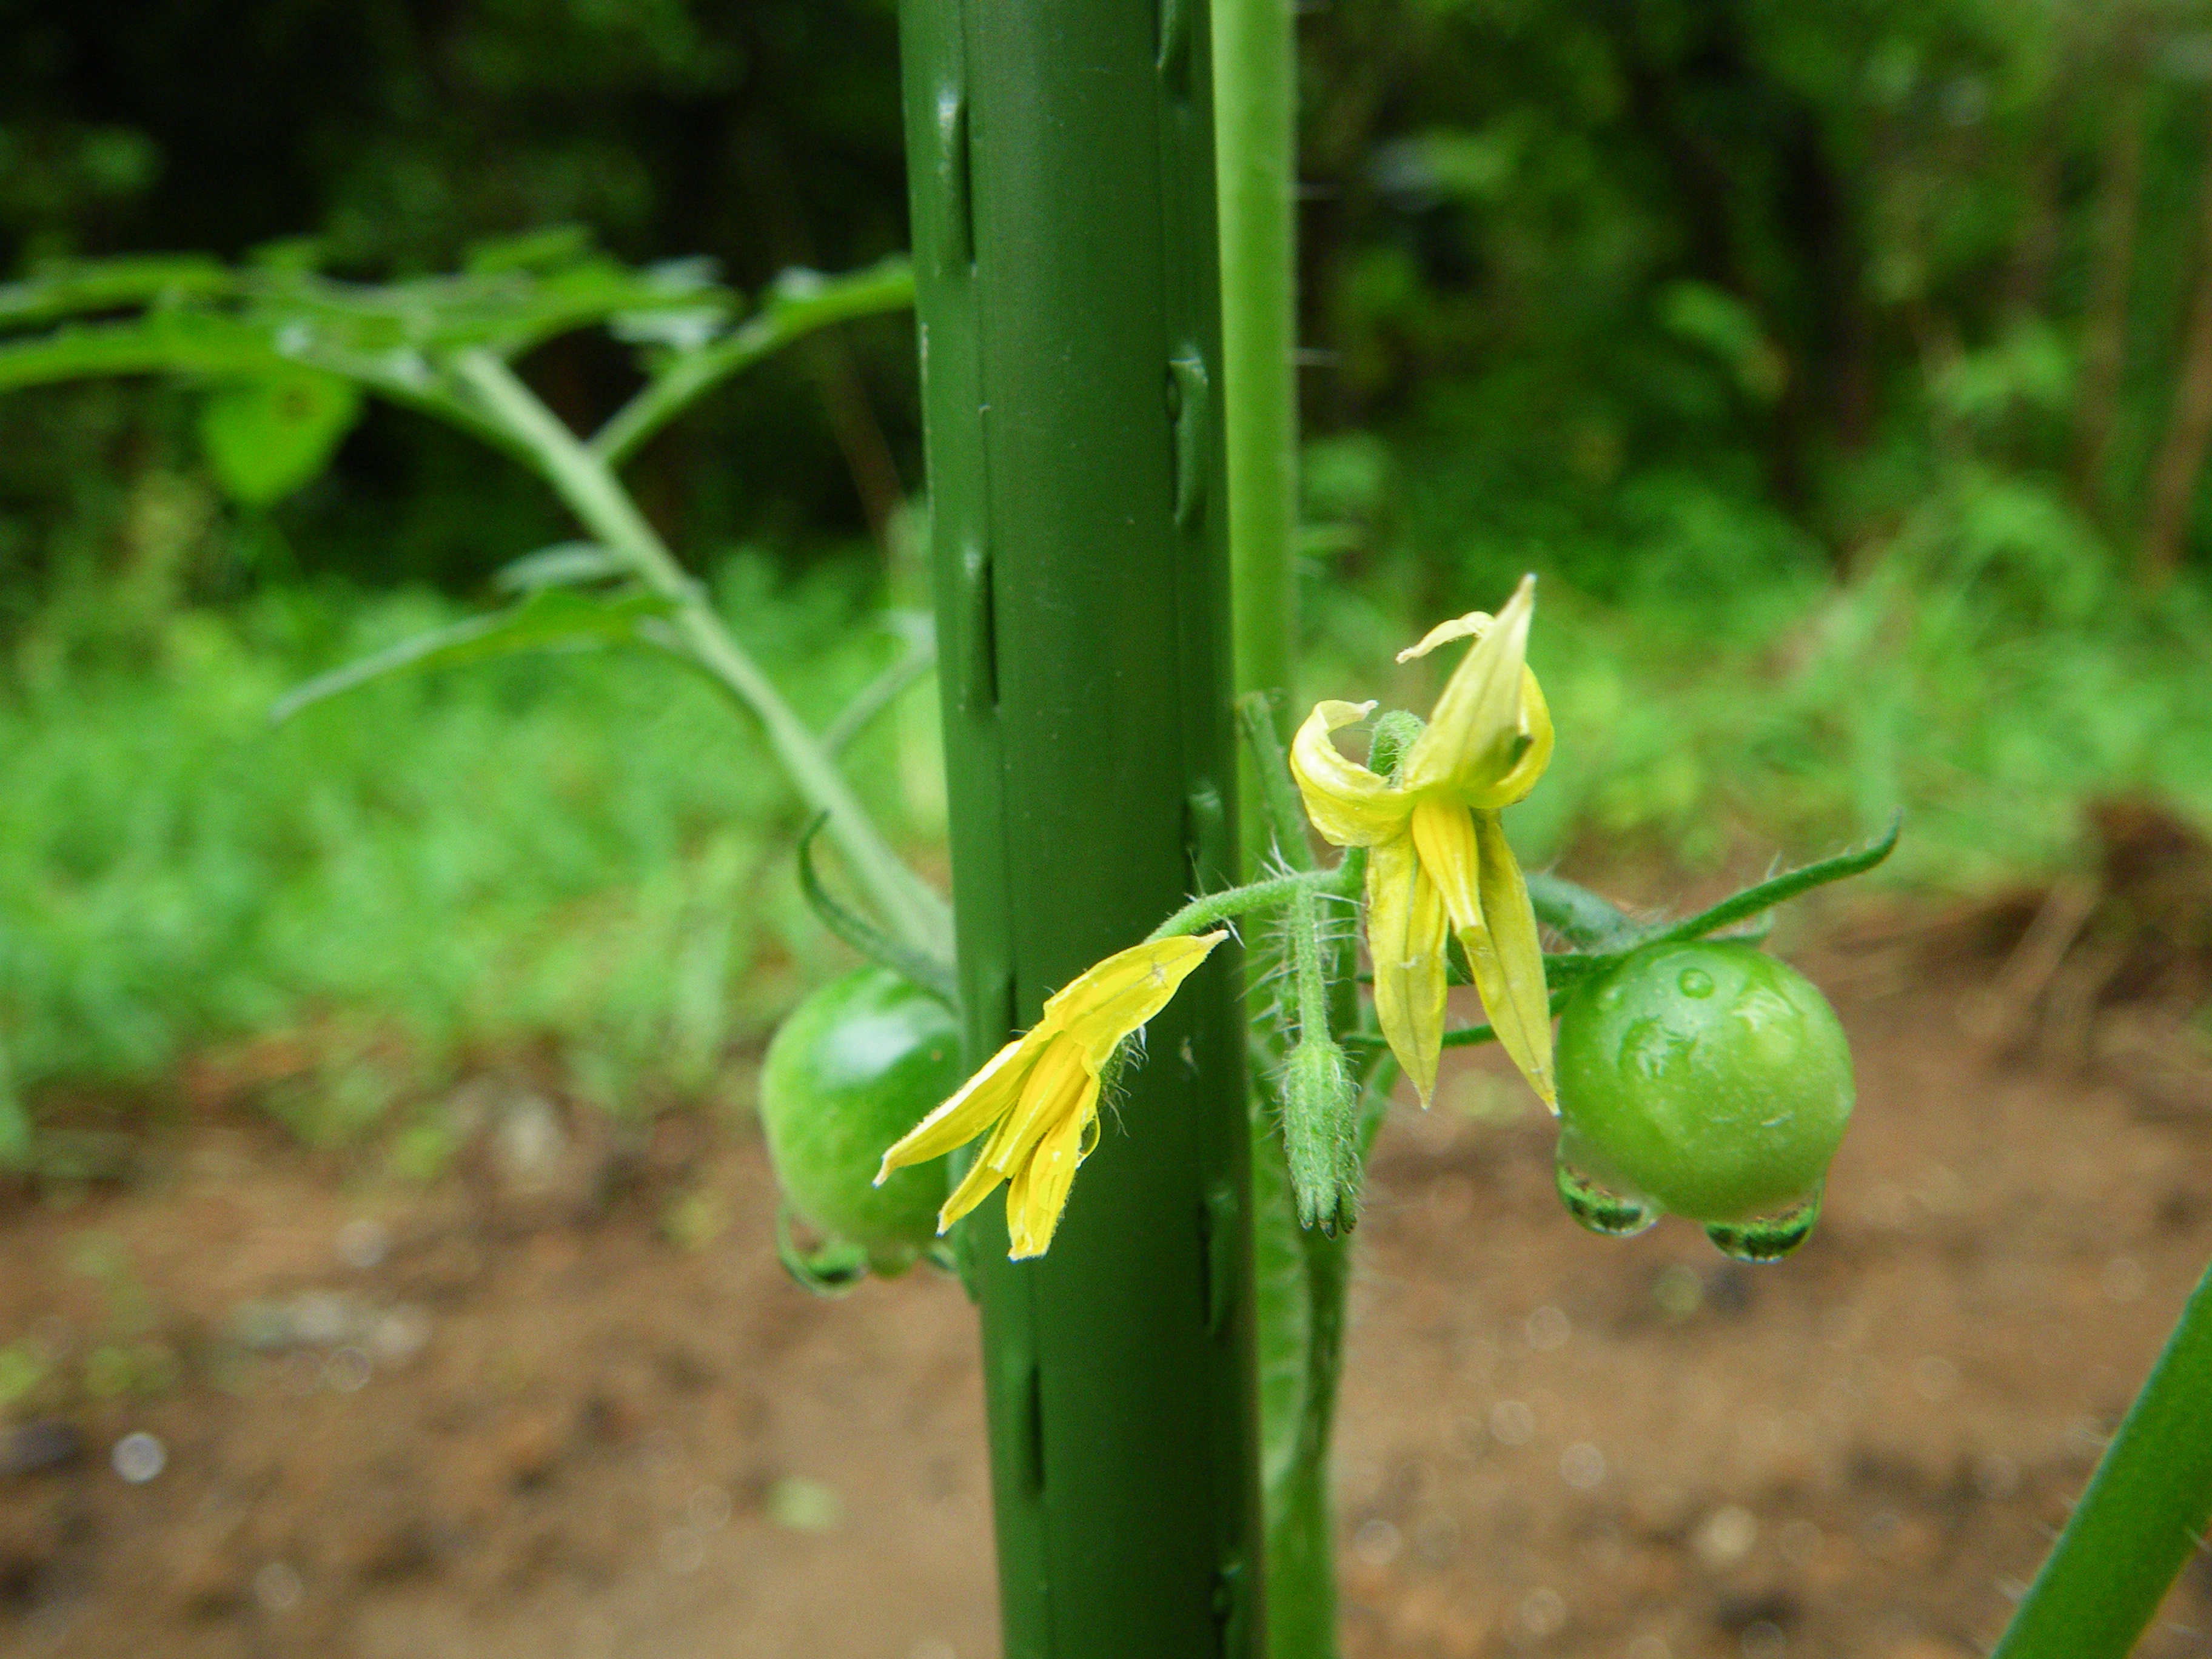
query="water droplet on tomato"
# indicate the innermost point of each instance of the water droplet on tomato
(1600, 1209)
(1696, 983)
(1609, 996)
(1766, 1238)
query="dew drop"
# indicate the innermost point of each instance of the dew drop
(1695, 983)
(1610, 997)
(1599, 1208)
(1766, 1238)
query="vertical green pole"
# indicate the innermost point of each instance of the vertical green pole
(1061, 161)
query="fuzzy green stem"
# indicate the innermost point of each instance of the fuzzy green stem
(916, 916)
(1283, 813)
(1204, 911)
(2141, 1519)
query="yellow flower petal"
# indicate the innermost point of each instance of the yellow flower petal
(1348, 803)
(1039, 1192)
(1406, 925)
(1471, 626)
(1507, 960)
(1477, 733)
(1102, 1005)
(975, 1107)
(1056, 1085)
(1444, 835)
(981, 1181)
(1536, 718)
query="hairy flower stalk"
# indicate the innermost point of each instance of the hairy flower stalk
(1039, 1095)
(1439, 862)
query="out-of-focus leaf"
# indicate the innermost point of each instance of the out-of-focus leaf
(799, 302)
(564, 564)
(550, 618)
(552, 247)
(267, 436)
(162, 342)
(77, 287)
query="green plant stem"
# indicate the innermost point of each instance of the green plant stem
(1204, 912)
(1282, 814)
(2141, 1520)
(1255, 92)
(793, 312)
(912, 913)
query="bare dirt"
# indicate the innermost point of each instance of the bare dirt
(565, 1402)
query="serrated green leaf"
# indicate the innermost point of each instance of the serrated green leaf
(550, 619)
(266, 437)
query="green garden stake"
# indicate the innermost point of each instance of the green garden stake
(1060, 164)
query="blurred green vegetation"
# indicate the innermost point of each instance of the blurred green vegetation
(1844, 368)
(575, 865)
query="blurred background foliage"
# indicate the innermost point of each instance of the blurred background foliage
(1845, 368)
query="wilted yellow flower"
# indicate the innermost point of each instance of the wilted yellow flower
(1437, 857)
(1041, 1091)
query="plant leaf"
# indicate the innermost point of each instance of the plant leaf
(268, 436)
(564, 564)
(550, 618)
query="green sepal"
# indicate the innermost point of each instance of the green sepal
(831, 1268)
(1791, 884)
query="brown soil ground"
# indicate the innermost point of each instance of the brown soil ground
(566, 1403)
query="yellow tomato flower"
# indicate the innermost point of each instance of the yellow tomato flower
(1437, 857)
(1041, 1091)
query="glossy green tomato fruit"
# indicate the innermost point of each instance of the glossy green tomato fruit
(1706, 1078)
(855, 1066)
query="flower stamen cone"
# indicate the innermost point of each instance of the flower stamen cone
(1038, 1096)
(1439, 862)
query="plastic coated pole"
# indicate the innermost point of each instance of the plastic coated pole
(1060, 164)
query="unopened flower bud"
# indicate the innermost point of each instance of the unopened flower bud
(1321, 1135)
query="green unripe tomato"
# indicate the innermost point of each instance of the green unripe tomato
(1706, 1078)
(856, 1065)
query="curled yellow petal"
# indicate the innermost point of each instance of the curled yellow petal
(1508, 961)
(1476, 734)
(1536, 718)
(1348, 803)
(1470, 626)
(1406, 926)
